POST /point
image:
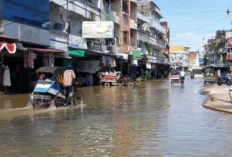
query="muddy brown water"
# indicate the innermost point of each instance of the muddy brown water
(149, 119)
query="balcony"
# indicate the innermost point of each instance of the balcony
(80, 7)
(115, 17)
(158, 27)
(59, 36)
(156, 42)
(133, 24)
(143, 36)
(59, 40)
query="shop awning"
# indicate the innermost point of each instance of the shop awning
(45, 50)
(76, 52)
(7, 38)
(10, 47)
(20, 47)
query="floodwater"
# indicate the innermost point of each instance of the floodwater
(147, 120)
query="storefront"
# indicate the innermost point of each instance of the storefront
(7, 47)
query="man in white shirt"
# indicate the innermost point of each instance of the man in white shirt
(182, 74)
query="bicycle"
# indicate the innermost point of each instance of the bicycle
(75, 97)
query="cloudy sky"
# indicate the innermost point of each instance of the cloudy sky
(192, 20)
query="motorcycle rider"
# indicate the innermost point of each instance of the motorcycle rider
(182, 75)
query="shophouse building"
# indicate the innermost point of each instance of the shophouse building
(150, 39)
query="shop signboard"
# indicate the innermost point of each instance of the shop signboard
(98, 29)
(228, 43)
(77, 42)
(137, 53)
(148, 65)
(201, 60)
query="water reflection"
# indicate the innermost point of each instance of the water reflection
(149, 119)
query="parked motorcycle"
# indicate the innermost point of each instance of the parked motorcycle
(125, 80)
(224, 79)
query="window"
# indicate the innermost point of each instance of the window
(34, 13)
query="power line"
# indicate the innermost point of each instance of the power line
(170, 4)
(205, 25)
(199, 12)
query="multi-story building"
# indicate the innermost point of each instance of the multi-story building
(216, 50)
(60, 32)
(179, 56)
(193, 60)
(166, 37)
(150, 37)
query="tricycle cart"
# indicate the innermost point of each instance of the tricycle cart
(49, 89)
(209, 75)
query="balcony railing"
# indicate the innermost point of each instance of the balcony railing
(59, 36)
(156, 42)
(143, 36)
(94, 45)
(115, 17)
(81, 7)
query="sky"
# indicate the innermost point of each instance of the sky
(191, 21)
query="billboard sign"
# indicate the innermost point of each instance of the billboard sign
(98, 29)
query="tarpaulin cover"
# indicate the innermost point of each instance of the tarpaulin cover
(87, 66)
(52, 70)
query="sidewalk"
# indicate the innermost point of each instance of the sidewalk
(219, 98)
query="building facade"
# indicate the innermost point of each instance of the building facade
(82, 33)
(179, 56)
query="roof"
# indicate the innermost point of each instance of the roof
(192, 55)
(164, 24)
(45, 50)
(52, 70)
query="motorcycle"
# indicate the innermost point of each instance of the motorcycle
(125, 80)
(224, 79)
(192, 75)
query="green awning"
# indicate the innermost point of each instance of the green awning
(76, 52)
(136, 53)
(148, 48)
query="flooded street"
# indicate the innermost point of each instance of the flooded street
(149, 119)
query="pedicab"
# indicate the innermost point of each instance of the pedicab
(49, 89)
(175, 78)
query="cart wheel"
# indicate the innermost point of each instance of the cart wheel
(78, 97)
(59, 99)
(219, 83)
(107, 84)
